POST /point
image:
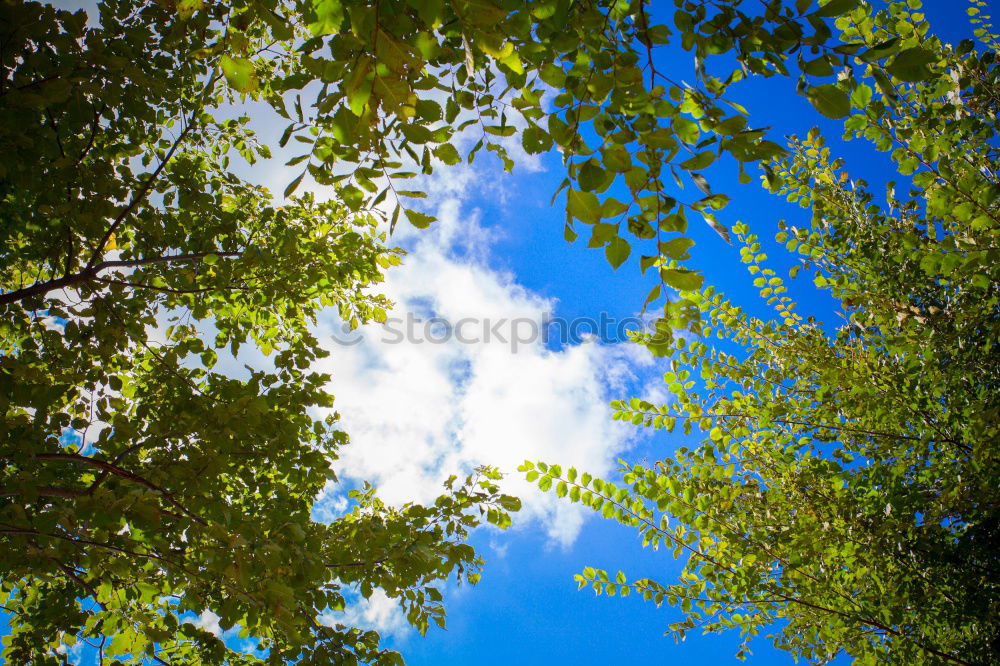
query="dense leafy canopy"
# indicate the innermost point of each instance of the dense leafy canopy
(140, 483)
(846, 492)
(380, 92)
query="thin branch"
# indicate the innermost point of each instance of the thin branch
(91, 273)
(168, 290)
(139, 196)
(111, 468)
(93, 134)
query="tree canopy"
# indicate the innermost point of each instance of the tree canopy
(378, 92)
(845, 493)
(142, 482)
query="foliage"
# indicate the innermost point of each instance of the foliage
(846, 492)
(140, 483)
(381, 92)
(144, 480)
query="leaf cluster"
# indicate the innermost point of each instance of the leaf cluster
(845, 491)
(144, 479)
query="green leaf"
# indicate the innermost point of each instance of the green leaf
(612, 208)
(861, 96)
(419, 220)
(448, 154)
(186, 8)
(358, 86)
(240, 74)
(836, 8)
(497, 130)
(584, 206)
(510, 503)
(911, 65)
(884, 84)
(699, 161)
(819, 67)
(676, 248)
(329, 17)
(535, 140)
(651, 297)
(617, 251)
(829, 100)
(686, 130)
(591, 177)
(682, 280)
(415, 133)
(292, 186)
(616, 158)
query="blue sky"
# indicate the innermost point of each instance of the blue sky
(527, 608)
(418, 412)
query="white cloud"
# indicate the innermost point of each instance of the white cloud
(378, 612)
(331, 508)
(418, 412)
(209, 621)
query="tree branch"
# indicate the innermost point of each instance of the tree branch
(139, 196)
(91, 273)
(115, 470)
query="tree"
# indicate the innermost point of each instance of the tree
(141, 482)
(379, 92)
(846, 489)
